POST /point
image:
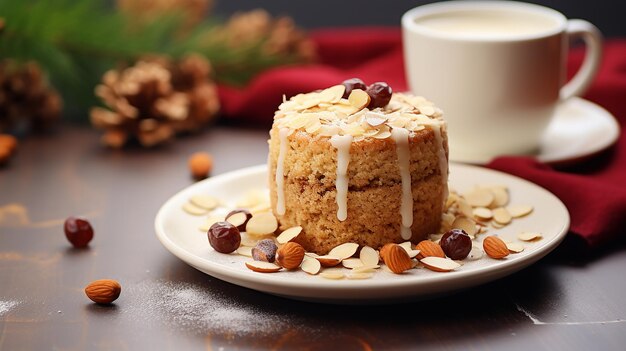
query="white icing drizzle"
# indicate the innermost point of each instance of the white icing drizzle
(342, 144)
(443, 161)
(401, 138)
(280, 169)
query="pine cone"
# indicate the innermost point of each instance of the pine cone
(27, 102)
(279, 36)
(154, 100)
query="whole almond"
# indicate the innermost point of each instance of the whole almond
(103, 291)
(495, 248)
(396, 258)
(290, 255)
(384, 249)
(429, 249)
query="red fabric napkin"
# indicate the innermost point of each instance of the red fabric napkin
(594, 191)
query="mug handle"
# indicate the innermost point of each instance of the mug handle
(592, 37)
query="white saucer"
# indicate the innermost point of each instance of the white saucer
(178, 232)
(580, 129)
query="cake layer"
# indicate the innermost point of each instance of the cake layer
(374, 189)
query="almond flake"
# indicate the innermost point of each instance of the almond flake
(343, 251)
(383, 135)
(246, 240)
(497, 225)
(328, 261)
(237, 219)
(209, 222)
(262, 224)
(529, 236)
(359, 275)
(311, 254)
(311, 266)
(311, 102)
(413, 253)
(359, 98)
(262, 266)
(427, 110)
(439, 264)
(501, 197)
(479, 197)
(289, 234)
(260, 208)
(332, 275)
(253, 198)
(245, 251)
(466, 224)
(205, 201)
(482, 213)
(332, 94)
(369, 256)
(465, 208)
(501, 216)
(193, 209)
(346, 109)
(352, 263)
(375, 119)
(519, 210)
(407, 246)
(515, 247)
(475, 254)
(365, 269)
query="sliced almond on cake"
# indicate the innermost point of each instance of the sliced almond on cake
(359, 98)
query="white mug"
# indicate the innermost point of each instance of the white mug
(496, 69)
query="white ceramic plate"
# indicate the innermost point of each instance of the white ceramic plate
(179, 233)
(580, 129)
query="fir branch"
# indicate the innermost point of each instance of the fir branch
(76, 41)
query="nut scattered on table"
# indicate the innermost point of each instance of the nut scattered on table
(8, 146)
(78, 231)
(103, 291)
(200, 165)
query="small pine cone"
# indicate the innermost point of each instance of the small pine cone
(155, 99)
(27, 102)
(279, 36)
(286, 39)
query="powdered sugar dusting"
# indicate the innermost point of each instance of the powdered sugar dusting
(6, 306)
(192, 306)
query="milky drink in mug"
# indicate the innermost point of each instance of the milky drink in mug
(496, 68)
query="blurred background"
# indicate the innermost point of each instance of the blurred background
(608, 15)
(146, 71)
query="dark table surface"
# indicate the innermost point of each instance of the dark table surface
(567, 301)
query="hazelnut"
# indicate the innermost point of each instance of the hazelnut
(200, 165)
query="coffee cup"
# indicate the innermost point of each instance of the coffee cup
(497, 69)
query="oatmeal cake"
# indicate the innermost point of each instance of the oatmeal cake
(354, 163)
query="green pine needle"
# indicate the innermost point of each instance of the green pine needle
(76, 41)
